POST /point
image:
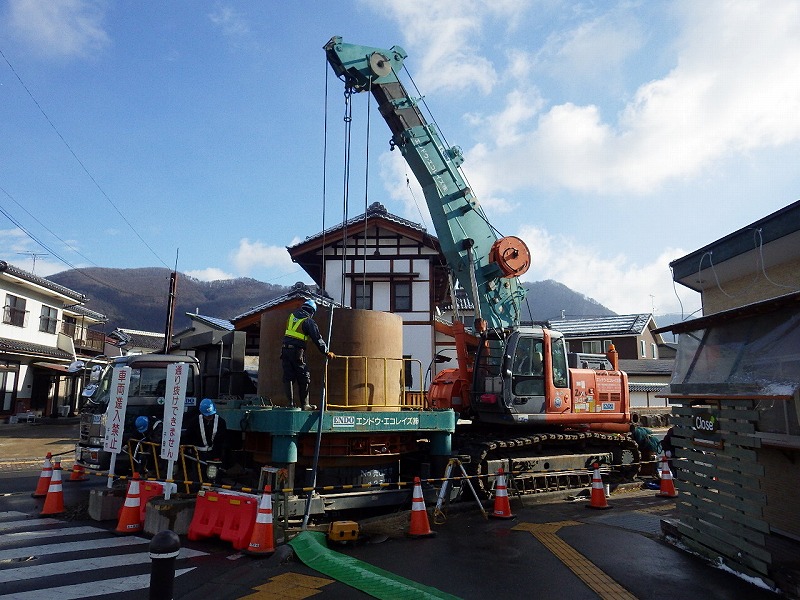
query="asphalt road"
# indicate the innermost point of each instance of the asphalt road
(554, 549)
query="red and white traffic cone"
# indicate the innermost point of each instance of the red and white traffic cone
(419, 527)
(54, 503)
(598, 497)
(44, 478)
(262, 541)
(667, 488)
(78, 474)
(130, 515)
(502, 507)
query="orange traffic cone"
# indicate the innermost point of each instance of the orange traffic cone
(667, 489)
(78, 473)
(130, 515)
(598, 498)
(502, 508)
(54, 503)
(44, 478)
(419, 516)
(262, 542)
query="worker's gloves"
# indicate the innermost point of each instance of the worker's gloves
(330, 355)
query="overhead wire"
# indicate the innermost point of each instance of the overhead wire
(80, 162)
(366, 199)
(348, 126)
(763, 268)
(50, 231)
(22, 228)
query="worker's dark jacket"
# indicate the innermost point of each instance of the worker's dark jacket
(208, 435)
(300, 328)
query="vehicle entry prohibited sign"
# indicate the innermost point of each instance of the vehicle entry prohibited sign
(117, 406)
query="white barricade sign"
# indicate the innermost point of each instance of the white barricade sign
(115, 416)
(174, 401)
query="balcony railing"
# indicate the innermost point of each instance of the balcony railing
(84, 338)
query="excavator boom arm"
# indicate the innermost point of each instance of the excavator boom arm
(469, 243)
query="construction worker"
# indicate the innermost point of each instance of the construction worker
(300, 327)
(208, 432)
(145, 453)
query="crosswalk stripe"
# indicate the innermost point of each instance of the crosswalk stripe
(37, 534)
(28, 571)
(87, 590)
(11, 513)
(9, 525)
(46, 549)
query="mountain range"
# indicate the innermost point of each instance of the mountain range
(137, 298)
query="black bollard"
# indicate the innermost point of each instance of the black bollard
(164, 548)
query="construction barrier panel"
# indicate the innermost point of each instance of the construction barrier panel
(152, 489)
(230, 517)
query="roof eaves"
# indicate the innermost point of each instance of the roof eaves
(41, 281)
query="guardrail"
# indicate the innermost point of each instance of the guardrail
(409, 399)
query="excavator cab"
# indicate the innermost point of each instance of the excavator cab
(515, 373)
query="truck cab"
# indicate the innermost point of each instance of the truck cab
(145, 397)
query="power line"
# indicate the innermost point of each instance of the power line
(80, 162)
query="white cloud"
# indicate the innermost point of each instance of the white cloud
(210, 274)
(251, 255)
(68, 28)
(592, 49)
(441, 28)
(231, 23)
(615, 281)
(734, 89)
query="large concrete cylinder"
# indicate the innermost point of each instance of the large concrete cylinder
(371, 383)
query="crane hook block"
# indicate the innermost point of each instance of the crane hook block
(511, 255)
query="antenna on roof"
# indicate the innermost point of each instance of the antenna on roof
(33, 255)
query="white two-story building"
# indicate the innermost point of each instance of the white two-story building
(44, 332)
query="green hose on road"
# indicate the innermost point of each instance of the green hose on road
(311, 548)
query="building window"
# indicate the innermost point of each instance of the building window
(592, 347)
(401, 296)
(606, 345)
(654, 349)
(14, 311)
(643, 347)
(362, 295)
(8, 385)
(49, 319)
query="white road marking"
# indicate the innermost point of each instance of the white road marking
(9, 525)
(46, 549)
(34, 571)
(89, 588)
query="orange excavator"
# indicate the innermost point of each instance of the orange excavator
(532, 407)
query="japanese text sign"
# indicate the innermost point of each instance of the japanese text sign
(117, 405)
(174, 401)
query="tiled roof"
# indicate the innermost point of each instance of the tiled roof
(82, 310)
(646, 387)
(298, 290)
(602, 326)
(223, 324)
(462, 302)
(644, 366)
(41, 281)
(16, 346)
(139, 339)
(375, 210)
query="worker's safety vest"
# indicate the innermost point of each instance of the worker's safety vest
(294, 328)
(206, 444)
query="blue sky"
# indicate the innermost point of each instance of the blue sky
(613, 137)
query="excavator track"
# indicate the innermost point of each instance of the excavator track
(549, 461)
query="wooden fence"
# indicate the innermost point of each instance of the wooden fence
(721, 503)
